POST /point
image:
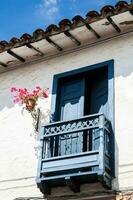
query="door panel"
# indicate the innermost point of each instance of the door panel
(99, 97)
(99, 104)
(72, 107)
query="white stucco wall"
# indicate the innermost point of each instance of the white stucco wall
(18, 162)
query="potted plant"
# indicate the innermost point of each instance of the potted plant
(29, 99)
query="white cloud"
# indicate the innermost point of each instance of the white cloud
(48, 10)
(48, 2)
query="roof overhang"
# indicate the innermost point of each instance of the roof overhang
(79, 32)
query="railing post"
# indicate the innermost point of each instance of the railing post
(101, 145)
(46, 147)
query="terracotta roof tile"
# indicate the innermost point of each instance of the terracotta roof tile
(66, 24)
(52, 29)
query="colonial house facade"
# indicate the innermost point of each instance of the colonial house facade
(82, 146)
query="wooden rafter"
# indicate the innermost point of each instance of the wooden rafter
(49, 40)
(30, 46)
(15, 55)
(114, 24)
(68, 34)
(92, 30)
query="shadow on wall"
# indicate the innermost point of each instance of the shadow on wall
(115, 181)
(15, 77)
(5, 99)
(124, 71)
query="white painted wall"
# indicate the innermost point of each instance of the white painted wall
(18, 162)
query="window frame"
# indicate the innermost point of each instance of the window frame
(58, 77)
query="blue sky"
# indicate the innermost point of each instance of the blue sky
(20, 16)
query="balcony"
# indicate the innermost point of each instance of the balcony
(76, 152)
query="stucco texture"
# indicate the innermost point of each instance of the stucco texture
(18, 160)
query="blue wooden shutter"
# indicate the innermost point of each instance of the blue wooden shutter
(72, 107)
(99, 103)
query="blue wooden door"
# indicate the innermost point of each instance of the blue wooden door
(72, 107)
(99, 103)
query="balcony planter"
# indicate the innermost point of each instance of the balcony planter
(30, 103)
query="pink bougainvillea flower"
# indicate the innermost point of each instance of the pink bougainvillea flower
(13, 89)
(16, 100)
(38, 87)
(36, 92)
(44, 94)
(22, 94)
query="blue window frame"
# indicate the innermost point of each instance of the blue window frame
(60, 78)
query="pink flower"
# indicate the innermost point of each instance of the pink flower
(35, 92)
(16, 100)
(13, 89)
(21, 94)
(38, 87)
(44, 94)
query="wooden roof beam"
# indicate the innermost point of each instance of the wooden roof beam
(68, 34)
(114, 24)
(92, 30)
(3, 64)
(35, 49)
(53, 44)
(15, 55)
